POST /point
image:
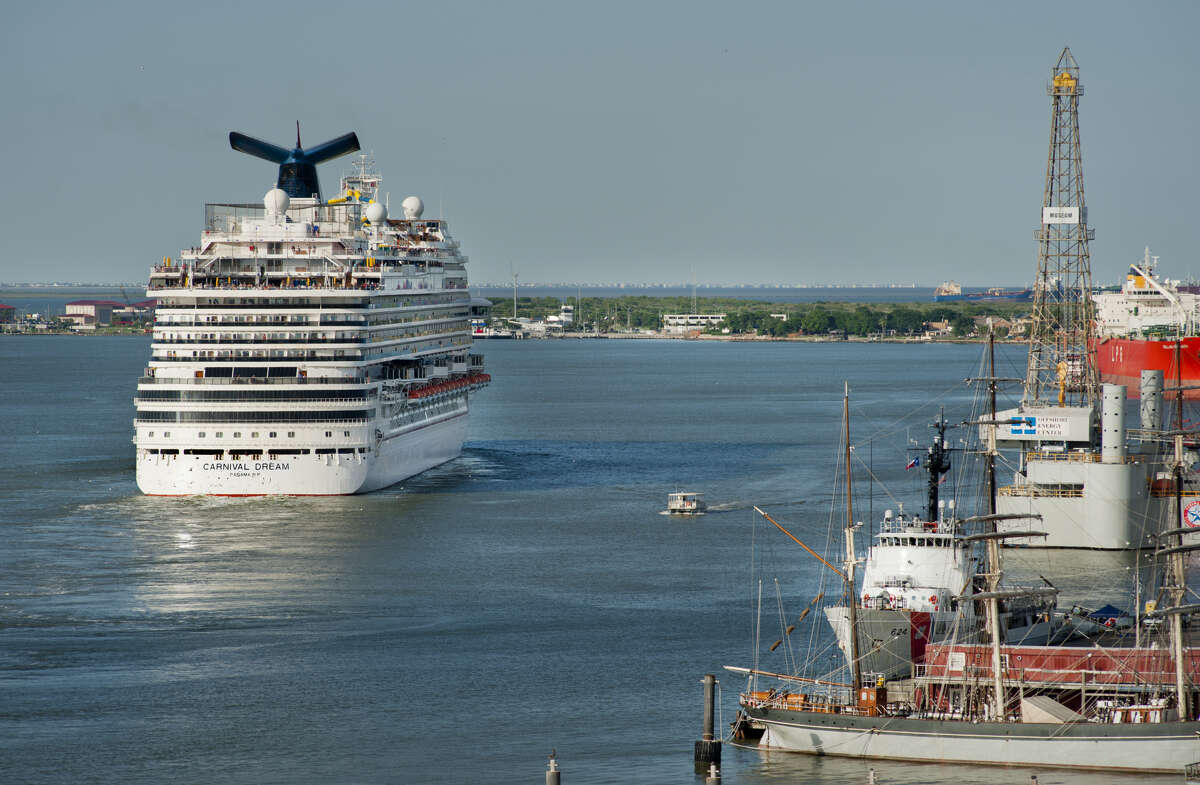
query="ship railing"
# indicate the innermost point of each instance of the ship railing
(1169, 493)
(247, 422)
(316, 404)
(1039, 492)
(258, 339)
(1069, 457)
(356, 286)
(260, 357)
(311, 283)
(831, 701)
(165, 321)
(1143, 681)
(913, 526)
(251, 380)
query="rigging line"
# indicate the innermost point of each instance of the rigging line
(887, 491)
(928, 403)
(785, 639)
(796, 539)
(721, 707)
(753, 563)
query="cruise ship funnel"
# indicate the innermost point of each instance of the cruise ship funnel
(298, 167)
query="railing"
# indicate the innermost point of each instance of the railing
(1050, 677)
(171, 404)
(1169, 493)
(251, 380)
(245, 421)
(1037, 492)
(319, 304)
(836, 703)
(1069, 457)
(350, 355)
(268, 286)
(257, 339)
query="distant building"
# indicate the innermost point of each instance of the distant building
(937, 329)
(133, 313)
(90, 314)
(8, 314)
(689, 322)
(981, 323)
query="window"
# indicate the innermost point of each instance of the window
(201, 434)
(344, 433)
(253, 434)
(291, 434)
(220, 435)
(237, 434)
(166, 433)
(151, 433)
(328, 434)
(271, 435)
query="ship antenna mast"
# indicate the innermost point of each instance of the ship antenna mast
(1061, 335)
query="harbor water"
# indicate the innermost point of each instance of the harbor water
(457, 627)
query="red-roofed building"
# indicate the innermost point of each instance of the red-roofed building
(8, 314)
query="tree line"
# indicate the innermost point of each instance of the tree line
(641, 312)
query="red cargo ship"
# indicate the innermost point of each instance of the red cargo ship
(1150, 325)
(1122, 360)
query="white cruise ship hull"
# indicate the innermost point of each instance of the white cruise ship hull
(396, 458)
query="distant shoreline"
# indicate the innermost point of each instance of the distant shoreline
(594, 337)
(747, 338)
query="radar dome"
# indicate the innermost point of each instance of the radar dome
(376, 212)
(413, 207)
(276, 201)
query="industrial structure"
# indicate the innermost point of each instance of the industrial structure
(1059, 369)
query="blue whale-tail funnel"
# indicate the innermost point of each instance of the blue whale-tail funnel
(298, 167)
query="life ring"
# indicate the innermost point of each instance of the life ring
(933, 599)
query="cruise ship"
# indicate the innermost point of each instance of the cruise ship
(307, 346)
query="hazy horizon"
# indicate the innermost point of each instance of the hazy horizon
(765, 144)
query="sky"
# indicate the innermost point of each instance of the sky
(754, 143)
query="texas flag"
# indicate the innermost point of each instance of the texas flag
(914, 462)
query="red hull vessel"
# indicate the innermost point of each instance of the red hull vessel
(1122, 360)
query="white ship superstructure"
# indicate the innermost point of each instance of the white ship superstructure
(307, 346)
(1147, 306)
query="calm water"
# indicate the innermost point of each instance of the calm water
(457, 627)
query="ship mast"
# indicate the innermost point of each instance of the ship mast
(1060, 367)
(991, 446)
(939, 464)
(851, 587)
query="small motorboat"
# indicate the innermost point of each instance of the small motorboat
(685, 503)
